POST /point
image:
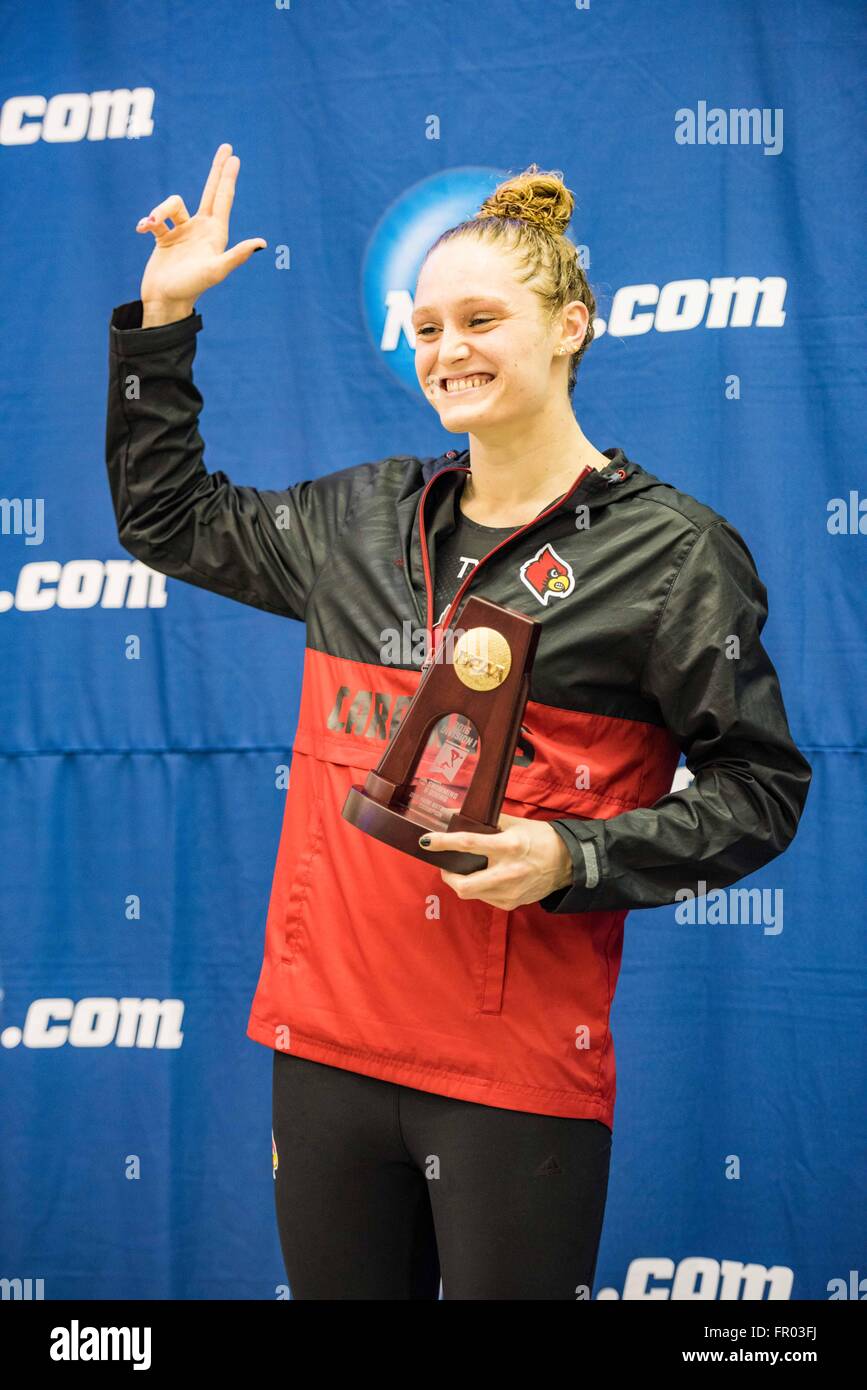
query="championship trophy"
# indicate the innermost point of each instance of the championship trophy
(447, 766)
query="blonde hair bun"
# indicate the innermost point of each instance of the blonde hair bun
(535, 195)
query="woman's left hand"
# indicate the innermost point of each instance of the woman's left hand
(527, 859)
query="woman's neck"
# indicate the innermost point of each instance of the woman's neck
(509, 487)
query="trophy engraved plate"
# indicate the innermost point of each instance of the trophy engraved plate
(447, 766)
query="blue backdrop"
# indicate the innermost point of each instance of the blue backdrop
(141, 783)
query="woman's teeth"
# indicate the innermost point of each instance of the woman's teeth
(467, 383)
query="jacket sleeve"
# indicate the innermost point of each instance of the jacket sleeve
(261, 548)
(721, 699)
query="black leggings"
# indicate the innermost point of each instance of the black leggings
(381, 1190)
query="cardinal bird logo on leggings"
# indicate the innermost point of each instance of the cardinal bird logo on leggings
(547, 576)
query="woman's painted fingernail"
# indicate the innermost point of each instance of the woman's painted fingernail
(424, 841)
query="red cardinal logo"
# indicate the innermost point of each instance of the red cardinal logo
(546, 575)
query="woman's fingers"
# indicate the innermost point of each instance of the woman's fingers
(211, 183)
(225, 194)
(173, 207)
(237, 255)
(217, 197)
(469, 840)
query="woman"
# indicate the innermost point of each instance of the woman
(443, 1085)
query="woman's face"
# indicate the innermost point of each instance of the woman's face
(473, 316)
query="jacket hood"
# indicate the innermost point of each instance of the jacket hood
(621, 478)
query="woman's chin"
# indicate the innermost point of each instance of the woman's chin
(459, 415)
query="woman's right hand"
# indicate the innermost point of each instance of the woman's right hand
(190, 256)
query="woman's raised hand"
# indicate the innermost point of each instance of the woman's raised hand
(190, 256)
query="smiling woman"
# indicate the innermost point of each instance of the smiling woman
(414, 1014)
(503, 316)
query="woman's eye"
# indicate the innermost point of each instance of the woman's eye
(430, 328)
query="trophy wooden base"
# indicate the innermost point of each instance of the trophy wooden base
(402, 832)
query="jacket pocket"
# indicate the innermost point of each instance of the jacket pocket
(494, 972)
(299, 893)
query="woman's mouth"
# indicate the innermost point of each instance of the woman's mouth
(461, 386)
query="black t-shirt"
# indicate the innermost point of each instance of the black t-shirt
(460, 552)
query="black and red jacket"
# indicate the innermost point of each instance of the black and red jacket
(650, 647)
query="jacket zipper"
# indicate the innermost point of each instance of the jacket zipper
(453, 468)
(459, 468)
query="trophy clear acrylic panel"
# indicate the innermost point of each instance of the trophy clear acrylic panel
(443, 773)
